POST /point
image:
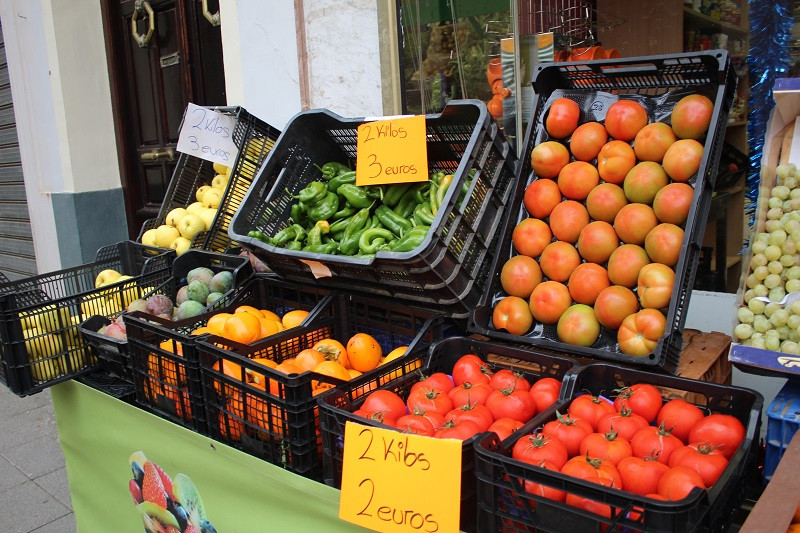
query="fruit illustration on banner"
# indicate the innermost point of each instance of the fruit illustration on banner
(165, 504)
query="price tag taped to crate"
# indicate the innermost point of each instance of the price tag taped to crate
(208, 134)
(392, 150)
(395, 481)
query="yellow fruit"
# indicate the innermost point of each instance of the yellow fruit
(105, 277)
(294, 318)
(53, 318)
(28, 320)
(174, 216)
(180, 245)
(219, 168)
(201, 191)
(212, 198)
(41, 345)
(220, 181)
(194, 207)
(165, 235)
(73, 361)
(47, 369)
(149, 237)
(126, 294)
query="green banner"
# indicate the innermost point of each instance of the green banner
(106, 441)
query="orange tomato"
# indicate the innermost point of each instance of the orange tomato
(333, 350)
(242, 327)
(249, 309)
(309, 358)
(363, 352)
(332, 369)
(269, 327)
(294, 318)
(217, 323)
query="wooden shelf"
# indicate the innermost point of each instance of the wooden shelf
(705, 21)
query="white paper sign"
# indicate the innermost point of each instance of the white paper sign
(208, 134)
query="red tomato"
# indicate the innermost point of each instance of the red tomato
(381, 417)
(562, 118)
(385, 401)
(512, 314)
(544, 396)
(547, 383)
(641, 398)
(625, 422)
(505, 378)
(425, 399)
(536, 448)
(436, 419)
(708, 462)
(469, 392)
(504, 427)
(457, 430)
(722, 431)
(471, 368)
(641, 476)
(587, 468)
(438, 380)
(591, 505)
(416, 424)
(679, 416)
(639, 333)
(543, 490)
(656, 442)
(678, 482)
(570, 431)
(609, 446)
(636, 513)
(590, 408)
(511, 403)
(475, 412)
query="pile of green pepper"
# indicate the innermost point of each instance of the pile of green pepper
(333, 215)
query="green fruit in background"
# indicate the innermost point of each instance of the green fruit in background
(203, 274)
(153, 511)
(213, 297)
(197, 291)
(221, 282)
(187, 495)
(188, 309)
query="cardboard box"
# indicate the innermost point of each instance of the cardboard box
(782, 145)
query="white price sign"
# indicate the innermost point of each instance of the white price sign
(207, 134)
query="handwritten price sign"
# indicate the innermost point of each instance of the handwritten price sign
(396, 482)
(392, 151)
(207, 134)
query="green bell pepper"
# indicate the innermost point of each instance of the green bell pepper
(332, 169)
(372, 239)
(342, 179)
(411, 240)
(284, 236)
(348, 244)
(325, 208)
(394, 193)
(423, 215)
(313, 192)
(315, 234)
(355, 195)
(392, 221)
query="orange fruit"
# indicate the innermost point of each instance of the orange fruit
(394, 354)
(216, 324)
(172, 346)
(269, 327)
(287, 367)
(353, 373)
(333, 350)
(363, 352)
(270, 315)
(332, 369)
(231, 370)
(242, 327)
(201, 331)
(309, 358)
(249, 309)
(294, 318)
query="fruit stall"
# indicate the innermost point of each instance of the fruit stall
(395, 323)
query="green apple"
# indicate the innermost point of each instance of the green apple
(149, 237)
(174, 216)
(194, 207)
(105, 277)
(207, 214)
(53, 318)
(190, 225)
(201, 191)
(181, 244)
(220, 181)
(165, 235)
(212, 198)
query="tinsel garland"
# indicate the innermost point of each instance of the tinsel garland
(770, 30)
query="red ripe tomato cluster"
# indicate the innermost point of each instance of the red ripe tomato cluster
(473, 400)
(607, 211)
(638, 444)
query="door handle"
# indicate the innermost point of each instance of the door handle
(143, 40)
(157, 155)
(212, 18)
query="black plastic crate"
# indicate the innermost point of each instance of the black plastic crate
(114, 353)
(449, 269)
(254, 138)
(109, 384)
(657, 82)
(281, 424)
(727, 176)
(503, 505)
(39, 316)
(337, 407)
(164, 354)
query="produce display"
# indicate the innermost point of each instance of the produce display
(769, 317)
(603, 224)
(474, 399)
(181, 225)
(336, 216)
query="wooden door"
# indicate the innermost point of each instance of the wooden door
(171, 55)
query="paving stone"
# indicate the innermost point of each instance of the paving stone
(37, 457)
(65, 524)
(10, 476)
(27, 507)
(14, 405)
(57, 484)
(28, 426)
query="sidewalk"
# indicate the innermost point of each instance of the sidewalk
(34, 492)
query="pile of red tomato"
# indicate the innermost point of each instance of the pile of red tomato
(637, 443)
(607, 210)
(473, 400)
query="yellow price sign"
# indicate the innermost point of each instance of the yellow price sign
(397, 482)
(392, 151)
